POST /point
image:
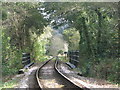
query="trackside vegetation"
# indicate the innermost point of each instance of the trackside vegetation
(91, 28)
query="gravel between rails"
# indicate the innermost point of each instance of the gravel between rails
(49, 78)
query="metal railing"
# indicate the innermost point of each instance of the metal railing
(74, 57)
(26, 58)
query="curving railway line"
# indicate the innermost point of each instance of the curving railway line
(48, 76)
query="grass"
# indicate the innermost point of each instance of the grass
(10, 83)
(63, 58)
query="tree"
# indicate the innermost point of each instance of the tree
(20, 21)
(96, 23)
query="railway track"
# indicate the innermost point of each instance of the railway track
(48, 76)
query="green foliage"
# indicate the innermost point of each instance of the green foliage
(39, 46)
(35, 19)
(19, 19)
(60, 52)
(11, 57)
(98, 32)
(72, 37)
(93, 30)
(4, 15)
(115, 72)
(22, 17)
(63, 59)
(10, 83)
(39, 51)
(108, 68)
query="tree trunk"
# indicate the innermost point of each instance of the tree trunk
(87, 37)
(118, 29)
(99, 32)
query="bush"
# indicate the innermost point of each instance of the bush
(107, 69)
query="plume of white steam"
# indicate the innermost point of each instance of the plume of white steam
(57, 43)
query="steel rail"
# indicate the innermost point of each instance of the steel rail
(37, 72)
(56, 63)
(61, 74)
